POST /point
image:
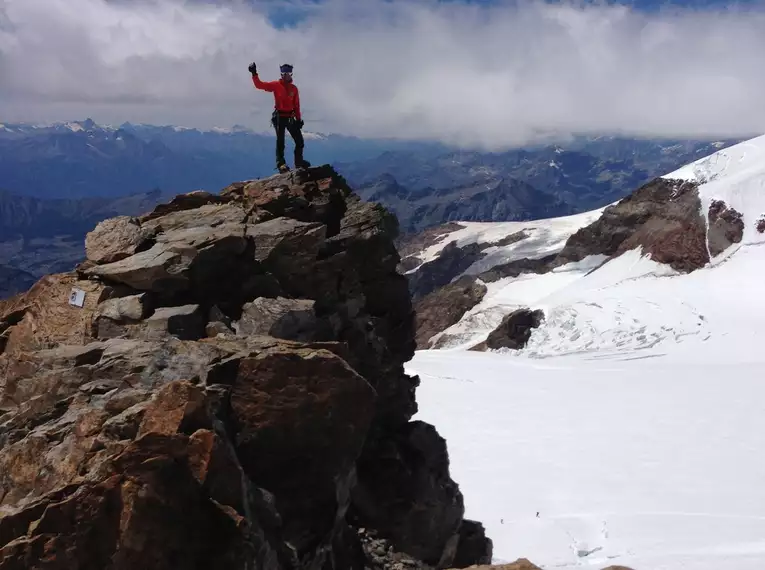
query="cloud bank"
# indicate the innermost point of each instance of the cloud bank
(488, 77)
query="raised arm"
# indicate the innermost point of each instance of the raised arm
(264, 85)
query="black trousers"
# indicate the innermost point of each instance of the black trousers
(282, 124)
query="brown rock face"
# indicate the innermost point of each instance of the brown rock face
(317, 443)
(446, 306)
(152, 509)
(663, 217)
(726, 227)
(128, 439)
(46, 316)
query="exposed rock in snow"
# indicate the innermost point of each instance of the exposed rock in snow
(663, 218)
(514, 331)
(446, 306)
(726, 227)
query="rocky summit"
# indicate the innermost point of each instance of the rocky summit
(221, 385)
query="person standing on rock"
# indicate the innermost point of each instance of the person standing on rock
(286, 115)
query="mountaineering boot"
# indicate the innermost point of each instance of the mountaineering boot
(283, 168)
(303, 164)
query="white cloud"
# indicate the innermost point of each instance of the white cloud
(490, 77)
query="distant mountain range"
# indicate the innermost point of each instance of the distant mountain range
(60, 180)
(38, 237)
(82, 159)
(522, 184)
(26, 217)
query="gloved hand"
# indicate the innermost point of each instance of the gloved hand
(300, 123)
(253, 68)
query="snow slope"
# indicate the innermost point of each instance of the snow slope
(543, 237)
(632, 302)
(633, 422)
(735, 175)
(651, 465)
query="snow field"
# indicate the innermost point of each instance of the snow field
(634, 421)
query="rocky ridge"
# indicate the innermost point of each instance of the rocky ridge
(221, 385)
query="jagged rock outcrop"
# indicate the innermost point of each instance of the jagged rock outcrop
(446, 306)
(150, 417)
(452, 261)
(517, 267)
(410, 245)
(663, 217)
(514, 331)
(726, 227)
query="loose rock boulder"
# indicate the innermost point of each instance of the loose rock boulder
(186, 322)
(291, 319)
(115, 239)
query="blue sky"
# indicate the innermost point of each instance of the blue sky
(490, 76)
(286, 13)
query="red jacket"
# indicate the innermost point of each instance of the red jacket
(286, 95)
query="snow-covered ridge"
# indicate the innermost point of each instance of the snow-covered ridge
(629, 303)
(735, 175)
(543, 237)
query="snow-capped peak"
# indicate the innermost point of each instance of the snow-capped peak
(735, 175)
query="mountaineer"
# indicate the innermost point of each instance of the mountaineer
(286, 115)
